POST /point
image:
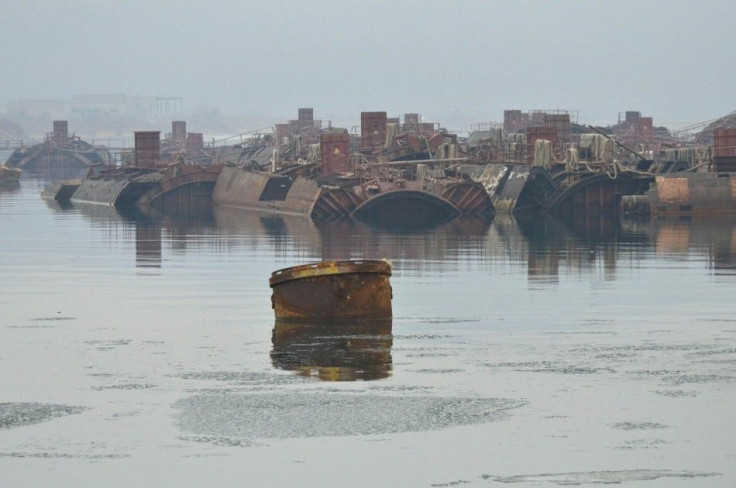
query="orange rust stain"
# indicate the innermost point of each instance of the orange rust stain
(673, 190)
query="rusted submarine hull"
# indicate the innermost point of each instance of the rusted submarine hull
(61, 190)
(119, 189)
(686, 195)
(332, 292)
(257, 190)
(9, 177)
(175, 187)
(405, 208)
(513, 188)
(60, 155)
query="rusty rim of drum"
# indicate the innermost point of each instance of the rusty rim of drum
(327, 268)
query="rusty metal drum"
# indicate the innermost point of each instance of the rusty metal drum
(332, 291)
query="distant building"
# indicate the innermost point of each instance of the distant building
(87, 106)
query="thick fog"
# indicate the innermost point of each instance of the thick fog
(456, 62)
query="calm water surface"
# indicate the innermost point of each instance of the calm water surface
(141, 351)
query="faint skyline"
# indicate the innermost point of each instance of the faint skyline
(453, 62)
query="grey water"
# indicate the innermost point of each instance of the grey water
(139, 350)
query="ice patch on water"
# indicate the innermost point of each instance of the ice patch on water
(699, 378)
(52, 319)
(713, 352)
(220, 441)
(20, 414)
(128, 386)
(643, 444)
(439, 370)
(677, 393)
(431, 355)
(241, 378)
(450, 483)
(639, 426)
(583, 332)
(400, 388)
(110, 343)
(659, 372)
(444, 320)
(552, 367)
(602, 477)
(421, 336)
(61, 455)
(616, 356)
(292, 415)
(32, 326)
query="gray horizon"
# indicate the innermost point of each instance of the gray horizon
(455, 63)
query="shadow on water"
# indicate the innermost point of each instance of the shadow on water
(335, 352)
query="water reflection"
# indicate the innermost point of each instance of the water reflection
(347, 239)
(147, 244)
(547, 248)
(7, 192)
(56, 206)
(340, 352)
(712, 237)
(575, 245)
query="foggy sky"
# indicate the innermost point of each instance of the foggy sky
(456, 62)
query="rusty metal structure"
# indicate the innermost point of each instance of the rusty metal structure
(412, 173)
(373, 126)
(150, 181)
(405, 208)
(239, 186)
(60, 190)
(560, 124)
(470, 198)
(634, 130)
(724, 150)
(61, 131)
(517, 189)
(367, 184)
(179, 132)
(9, 177)
(147, 154)
(304, 128)
(417, 193)
(597, 193)
(693, 195)
(59, 156)
(335, 153)
(332, 292)
(182, 187)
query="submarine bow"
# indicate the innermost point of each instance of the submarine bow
(405, 208)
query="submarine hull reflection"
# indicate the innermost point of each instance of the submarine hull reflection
(336, 352)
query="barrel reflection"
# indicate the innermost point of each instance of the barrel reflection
(338, 352)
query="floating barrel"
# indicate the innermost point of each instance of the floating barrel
(332, 291)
